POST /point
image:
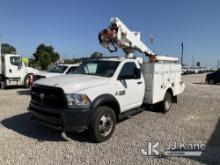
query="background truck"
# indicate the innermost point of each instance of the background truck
(101, 91)
(13, 71)
(56, 70)
(214, 77)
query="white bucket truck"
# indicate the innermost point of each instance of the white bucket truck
(104, 90)
(13, 71)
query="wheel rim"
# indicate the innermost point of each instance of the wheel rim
(167, 103)
(105, 125)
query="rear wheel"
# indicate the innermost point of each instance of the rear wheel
(211, 81)
(166, 103)
(103, 124)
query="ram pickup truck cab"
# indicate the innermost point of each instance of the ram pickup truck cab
(59, 69)
(101, 91)
(13, 71)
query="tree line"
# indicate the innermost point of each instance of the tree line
(45, 55)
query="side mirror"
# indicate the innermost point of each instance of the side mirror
(122, 77)
(20, 66)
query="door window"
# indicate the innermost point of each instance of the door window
(128, 70)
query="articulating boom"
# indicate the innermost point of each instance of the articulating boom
(119, 36)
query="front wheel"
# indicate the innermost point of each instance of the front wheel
(103, 124)
(28, 80)
(166, 103)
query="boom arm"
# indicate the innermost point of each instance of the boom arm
(119, 36)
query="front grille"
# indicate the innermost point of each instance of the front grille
(48, 96)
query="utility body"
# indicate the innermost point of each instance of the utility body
(102, 90)
(13, 71)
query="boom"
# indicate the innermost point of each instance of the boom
(119, 36)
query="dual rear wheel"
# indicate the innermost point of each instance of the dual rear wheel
(165, 105)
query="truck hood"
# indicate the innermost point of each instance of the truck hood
(74, 82)
(48, 74)
(31, 70)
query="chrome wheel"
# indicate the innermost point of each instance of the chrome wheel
(105, 124)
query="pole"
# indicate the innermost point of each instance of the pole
(218, 64)
(193, 62)
(0, 59)
(182, 47)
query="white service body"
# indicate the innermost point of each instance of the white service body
(159, 77)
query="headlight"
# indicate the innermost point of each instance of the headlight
(77, 99)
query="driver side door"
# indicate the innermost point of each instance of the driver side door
(130, 87)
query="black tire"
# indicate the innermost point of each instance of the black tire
(3, 86)
(97, 129)
(26, 81)
(165, 105)
(211, 81)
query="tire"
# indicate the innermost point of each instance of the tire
(165, 105)
(3, 86)
(26, 81)
(103, 124)
(211, 82)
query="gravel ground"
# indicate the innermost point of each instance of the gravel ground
(195, 119)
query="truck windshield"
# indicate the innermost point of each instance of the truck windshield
(98, 68)
(58, 69)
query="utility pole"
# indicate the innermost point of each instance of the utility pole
(0, 58)
(218, 64)
(182, 46)
(193, 62)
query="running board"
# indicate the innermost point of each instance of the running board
(130, 113)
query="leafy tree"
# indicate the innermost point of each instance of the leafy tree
(45, 55)
(7, 49)
(44, 59)
(54, 56)
(96, 55)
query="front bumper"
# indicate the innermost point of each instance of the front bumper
(61, 119)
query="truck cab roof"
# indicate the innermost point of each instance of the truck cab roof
(69, 64)
(119, 59)
(10, 55)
